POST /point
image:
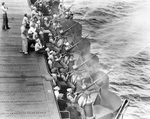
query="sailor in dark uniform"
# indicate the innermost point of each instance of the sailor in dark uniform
(5, 18)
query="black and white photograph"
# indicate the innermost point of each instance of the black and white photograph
(75, 59)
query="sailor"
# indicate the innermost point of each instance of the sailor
(67, 15)
(60, 42)
(40, 14)
(52, 44)
(58, 58)
(73, 79)
(67, 44)
(70, 96)
(26, 20)
(36, 21)
(5, 18)
(55, 17)
(64, 68)
(54, 75)
(38, 5)
(47, 50)
(58, 95)
(50, 12)
(61, 10)
(62, 84)
(53, 28)
(46, 5)
(51, 40)
(24, 31)
(32, 7)
(71, 84)
(54, 25)
(32, 21)
(34, 12)
(47, 23)
(82, 98)
(41, 36)
(38, 47)
(50, 2)
(79, 82)
(32, 31)
(32, 35)
(60, 64)
(61, 31)
(71, 62)
(56, 92)
(61, 45)
(37, 2)
(64, 77)
(66, 59)
(50, 59)
(58, 28)
(37, 24)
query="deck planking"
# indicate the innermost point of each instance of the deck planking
(24, 92)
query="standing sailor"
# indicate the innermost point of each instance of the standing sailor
(25, 21)
(5, 18)
(24, 31)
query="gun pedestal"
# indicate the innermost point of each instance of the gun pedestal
(88, 109)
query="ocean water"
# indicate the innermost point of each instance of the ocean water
(120, 31)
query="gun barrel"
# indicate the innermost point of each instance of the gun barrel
(122, 108)
(74, 45)
(86, 61)
(65, 10)
(77, 43)
(68, 28)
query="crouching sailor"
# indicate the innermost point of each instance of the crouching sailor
(39, 49)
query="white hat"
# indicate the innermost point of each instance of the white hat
(69, 89)
(61, 31)
(56, 88)
(67, 44)
(34, 8)
(51, 52)
(50, 34)
(47, 49)
(45, 18)
(38, 22)
(67, 12)
(54, 15)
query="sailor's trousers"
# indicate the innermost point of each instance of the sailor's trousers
(5, 21)
(24, 43)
